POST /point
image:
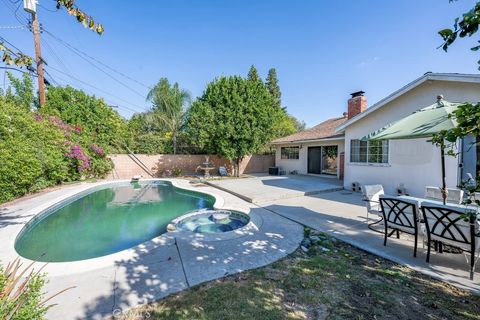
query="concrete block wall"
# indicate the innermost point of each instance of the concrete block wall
(125, 167)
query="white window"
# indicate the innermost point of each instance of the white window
(369, 151)
(290, 152)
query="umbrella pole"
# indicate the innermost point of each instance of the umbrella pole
(444, 182)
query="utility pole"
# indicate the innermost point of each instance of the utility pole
(31, 6)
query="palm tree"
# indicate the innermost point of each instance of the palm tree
(169, 107)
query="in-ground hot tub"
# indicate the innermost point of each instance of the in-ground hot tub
(105, 220)
(210, 221)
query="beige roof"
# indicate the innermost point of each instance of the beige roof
(324, 130)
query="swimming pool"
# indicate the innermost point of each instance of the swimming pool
(106, 220)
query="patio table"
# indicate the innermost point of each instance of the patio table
(439, 202)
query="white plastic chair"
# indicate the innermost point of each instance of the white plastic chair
(453, 196)
(371, 196)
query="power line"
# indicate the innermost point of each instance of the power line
(66, 82)
(11, 6)
(47, 9)
(56, 56)
(15, 69)
(101, 90)
(78, 51)
(52, 79)
(11, 45)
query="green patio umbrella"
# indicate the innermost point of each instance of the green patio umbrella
(423, 123)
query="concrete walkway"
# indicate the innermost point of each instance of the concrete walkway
(264, 188)
(343, 215)
(157, 268)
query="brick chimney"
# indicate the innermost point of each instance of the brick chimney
(356, 104)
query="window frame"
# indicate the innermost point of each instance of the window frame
(383, 156)
(287, 154)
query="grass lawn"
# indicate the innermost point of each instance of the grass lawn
(333, 280)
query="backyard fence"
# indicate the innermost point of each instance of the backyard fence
(166, 165)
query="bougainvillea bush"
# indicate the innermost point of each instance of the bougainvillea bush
(37, 151)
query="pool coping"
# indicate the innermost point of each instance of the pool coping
(67, 268)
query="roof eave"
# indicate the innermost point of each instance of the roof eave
(309, 140)
(426, 77)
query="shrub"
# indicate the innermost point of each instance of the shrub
(37, 151)
(176, 172)
(89, 116)
(31, 152)
(21, 296)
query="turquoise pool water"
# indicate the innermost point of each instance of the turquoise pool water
(106, 221)
(214, 221)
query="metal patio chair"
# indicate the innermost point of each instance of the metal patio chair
(400, 215)
(452, 226)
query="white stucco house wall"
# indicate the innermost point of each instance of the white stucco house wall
(414, 164)
(318, 150)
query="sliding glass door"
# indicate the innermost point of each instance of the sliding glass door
(323, 160)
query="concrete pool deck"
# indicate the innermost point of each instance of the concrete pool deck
(263, 188)
(154, 269)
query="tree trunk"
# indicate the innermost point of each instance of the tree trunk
(237, 167)
(174, 138)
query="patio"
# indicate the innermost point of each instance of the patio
(261, 188)
(342, 214)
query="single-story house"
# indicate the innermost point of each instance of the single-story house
(333, 147)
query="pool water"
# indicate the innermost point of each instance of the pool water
(213, 221)
(106, 221)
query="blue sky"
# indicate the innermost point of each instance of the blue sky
(322, 50)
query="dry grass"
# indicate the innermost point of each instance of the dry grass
(332, 281)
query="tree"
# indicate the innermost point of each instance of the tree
(93, 117)
(86, 20)
(146, 135)
(300, 125)
(467, 116)
(253, 74)
(169, 106)
(285, 123)
(232, 118)
(465, 27)
(274, 88)
(24, 91)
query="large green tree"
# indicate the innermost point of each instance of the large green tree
(170, 103)
(232, 118)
